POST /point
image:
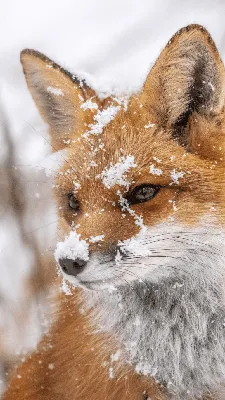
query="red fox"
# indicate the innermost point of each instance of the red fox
(142, 209)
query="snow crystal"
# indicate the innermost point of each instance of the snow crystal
(211, 86)
(175, 175)
(93, 163)
(89, 105)
(80, 97)
(138, 218)
(145, 368)
(56, 91)
(95, 239)
(157, 159)
(65, 288)
(76, 187)
(102, 118)
(139, 221)
(116, 174)
(149, 125)
(73, 247)
(173, 204)
(111, 374)
(155, 171)
(51, 366)
(116, 356)
(66, 141)
(122, 101)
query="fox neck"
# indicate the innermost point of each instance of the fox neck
(173, 328)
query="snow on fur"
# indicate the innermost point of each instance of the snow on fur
(149, 125)
(102, 119)
(175, 175)
(89, 105)
(155, 171)
(116, 174)
(95, 239)
(135, 246)
(76, 187)
(56, 91)
(73, 247)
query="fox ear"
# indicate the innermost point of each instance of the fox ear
(57, 94)
(187, 77)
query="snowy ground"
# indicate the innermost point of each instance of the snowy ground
(113, 44)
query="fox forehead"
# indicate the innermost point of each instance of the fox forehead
(131, 150)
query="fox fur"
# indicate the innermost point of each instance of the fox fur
(146, 316)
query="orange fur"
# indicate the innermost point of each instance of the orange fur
(78, 356)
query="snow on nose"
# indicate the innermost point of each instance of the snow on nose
(72, 248)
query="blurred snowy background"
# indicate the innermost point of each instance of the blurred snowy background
(113, 44)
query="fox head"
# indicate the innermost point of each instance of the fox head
(142, 179)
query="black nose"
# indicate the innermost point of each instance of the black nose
(72, 267)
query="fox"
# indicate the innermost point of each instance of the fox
(141, 212)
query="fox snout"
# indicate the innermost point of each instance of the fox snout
(72, 267)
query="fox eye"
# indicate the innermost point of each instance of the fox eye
(142, 193)
(73, 202)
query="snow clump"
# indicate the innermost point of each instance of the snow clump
(72, 247)
(56, 91)
(102, 119)
(116, 174)
(175, 175)
(89, 105)
(155, 171)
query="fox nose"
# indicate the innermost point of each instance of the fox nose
(72, 267)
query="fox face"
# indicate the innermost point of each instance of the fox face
(140, 193)
(138, 175)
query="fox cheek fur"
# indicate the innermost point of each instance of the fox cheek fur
(141, 207)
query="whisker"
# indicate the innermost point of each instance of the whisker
(41, 227)
(38, 167)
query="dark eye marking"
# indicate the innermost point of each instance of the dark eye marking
(142, 193)
(73, 202)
